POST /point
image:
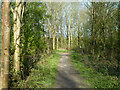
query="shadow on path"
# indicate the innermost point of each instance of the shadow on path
(67, 76)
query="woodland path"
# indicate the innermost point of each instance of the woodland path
(67, 76)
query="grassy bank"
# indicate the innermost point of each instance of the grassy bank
(44, 73)
(62, 51)
(96, 79)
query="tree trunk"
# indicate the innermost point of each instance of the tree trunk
(69, 37)
(53, 35)
(17, 40)
(49, 31)
(103, 34)
(71, 33)
(92, 31)
(58, 38)
(78, 41)
(61, 36)
(2, 57)
(54, 31)
(5, 44)
(18, 15)
(48, 37)
(53, 42)
(57, 42)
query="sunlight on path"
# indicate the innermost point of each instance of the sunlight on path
(67, 76)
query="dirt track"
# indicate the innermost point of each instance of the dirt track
(67, 76)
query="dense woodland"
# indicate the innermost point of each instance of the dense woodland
(33, 30)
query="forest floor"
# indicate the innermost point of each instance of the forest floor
(67, 76)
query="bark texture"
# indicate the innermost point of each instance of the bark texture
(5, 44)
(17, 16)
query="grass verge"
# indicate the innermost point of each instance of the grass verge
(96, 79)
(44, 73)
(62, 51)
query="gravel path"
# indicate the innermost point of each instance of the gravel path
(67, 76)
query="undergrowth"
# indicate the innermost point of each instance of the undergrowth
(96, 79)
(44, 73)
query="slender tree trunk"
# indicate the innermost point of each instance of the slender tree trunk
(53, 42)
(58, 38)
(53, 35)
(69, 37)
(61, 36)
(54, 31)
(57, 42)
(49, 30)
(5, 44)
(49, 35)
(92, 31)
(44, 34)
(103, 33)
(17, 41)
(71, 33)
(2, 58)
(78, 41)
(111, 45)
(48, 38)
(50, 21)
(17, 16)
(50, 27)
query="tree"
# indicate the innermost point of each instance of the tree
(17, 17)
(5, 44)
(118, 43)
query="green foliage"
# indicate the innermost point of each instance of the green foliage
(96, 79)
(62, 51)
(44, 73)
(32, 43)
(100, 34)
(32, 35)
